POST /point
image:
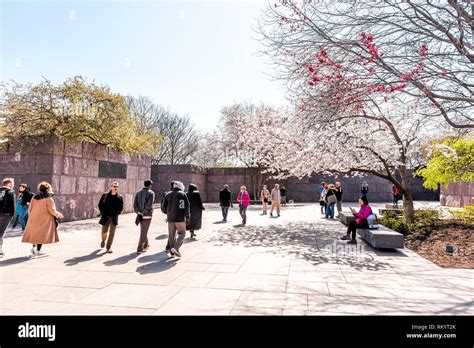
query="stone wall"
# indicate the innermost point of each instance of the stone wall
(72, 168)
(212, 180)
(458, 194)
(162, 175)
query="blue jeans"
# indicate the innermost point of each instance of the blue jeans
(24, 216)
(15, 221)
(225, 211)
(330, 210)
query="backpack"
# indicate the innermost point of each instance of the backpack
(372, 221)
(2, 200)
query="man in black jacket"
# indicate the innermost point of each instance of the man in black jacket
(26, 196)
(177, 210)
(225, 199)
(110, 206)
(143, 206)
(7, 207)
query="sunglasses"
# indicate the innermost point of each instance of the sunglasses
(115, 186)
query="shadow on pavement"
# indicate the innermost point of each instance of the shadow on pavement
(121, 260)
(313, 242)
(162, 255)
(14, 261)
(76, 260)
(159, 266)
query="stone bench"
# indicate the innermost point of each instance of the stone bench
(346, 217)
(382, 238)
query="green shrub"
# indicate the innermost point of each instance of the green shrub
(465, 215)
(423, 218)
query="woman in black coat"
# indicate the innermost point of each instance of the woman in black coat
(195, 203)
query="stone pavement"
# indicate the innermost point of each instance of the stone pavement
(292, 265)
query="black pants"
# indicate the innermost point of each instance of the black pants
(353, 226)
(395, 199)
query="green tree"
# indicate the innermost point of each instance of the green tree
(75, 109)
(452, 159)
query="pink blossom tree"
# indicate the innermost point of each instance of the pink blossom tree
(369, 83)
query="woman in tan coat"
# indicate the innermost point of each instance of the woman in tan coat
(41, 227)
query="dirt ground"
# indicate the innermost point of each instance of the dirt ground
(430, 243)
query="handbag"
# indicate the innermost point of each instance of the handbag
(332, 198)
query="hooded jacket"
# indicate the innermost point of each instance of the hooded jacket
(176, 206)
(196, 208)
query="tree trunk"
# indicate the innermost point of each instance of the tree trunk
(408, 207)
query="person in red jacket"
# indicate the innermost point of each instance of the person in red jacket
(243, 198)
(361, 222)
(396, 195)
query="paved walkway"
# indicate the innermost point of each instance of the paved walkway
(292, 265)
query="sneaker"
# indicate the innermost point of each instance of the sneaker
(109, 251)
(102, 244)
(140, 251)
(352, 241)
(346, 237)
(271, 214)
(278, 215)
(175, 252)
(33, 251)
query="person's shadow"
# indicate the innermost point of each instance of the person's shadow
(76, 260)
(159, 266)
(121, 260)
(14, 261)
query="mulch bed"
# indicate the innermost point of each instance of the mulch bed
(431, 240)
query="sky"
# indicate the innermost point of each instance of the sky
(193, 56)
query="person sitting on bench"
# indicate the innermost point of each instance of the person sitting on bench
(361, 222)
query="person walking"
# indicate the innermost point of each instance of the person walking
(276, 199)
(339, 198)
(110, 206)
(196, 209)
(18, 209)
(331, 200)
(283, 196)
(225, 200)
(322, 197)
(177, 210)
(264, 196)
(396, 195)
(42, 226)
(243, 198)
(364, 212)
(364, 189)
(143, 207)
(7, 207)
(26, 197)
(167, 248)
